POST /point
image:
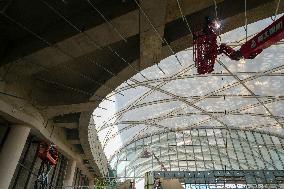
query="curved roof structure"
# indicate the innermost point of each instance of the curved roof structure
(172, 98)
(169, 116)
(60, 60)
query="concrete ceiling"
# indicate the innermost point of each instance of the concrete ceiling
(60, 74)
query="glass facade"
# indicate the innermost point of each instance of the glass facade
(200, 150)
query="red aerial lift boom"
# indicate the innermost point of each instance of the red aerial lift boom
(205, 48)
(49, 155)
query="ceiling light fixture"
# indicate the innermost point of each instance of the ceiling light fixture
(216, 24)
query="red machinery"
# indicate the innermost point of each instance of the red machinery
(47, 153)
(205, 48)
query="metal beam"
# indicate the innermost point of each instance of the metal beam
(221, 176)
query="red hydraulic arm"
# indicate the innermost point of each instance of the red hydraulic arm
(205, 53)
(267, 37)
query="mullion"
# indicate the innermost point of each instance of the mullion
(269, 154)
(169, 151)
(193, 151)
(184, 146)
(177, 151)
(210, 152)
(234, 149)
(276, 151)
(242, 148)
(217, 146)
(198, 136)
(256, 142)
(226, 147)
(252, 153)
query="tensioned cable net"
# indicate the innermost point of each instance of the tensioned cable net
(230, 119)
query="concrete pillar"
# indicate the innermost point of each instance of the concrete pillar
(11, 153)
(71, 167)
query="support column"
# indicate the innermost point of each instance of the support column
(11, 153)
(150, 42)
(71, 167)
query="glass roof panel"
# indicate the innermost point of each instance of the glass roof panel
(155, 96)
(156, 110)
(268, 86)
(247, 120)
(277, 108)
(197, 85)
(222, 103)
(198, 122)
(183, 121)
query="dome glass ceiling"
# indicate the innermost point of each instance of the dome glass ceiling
(246, 96)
